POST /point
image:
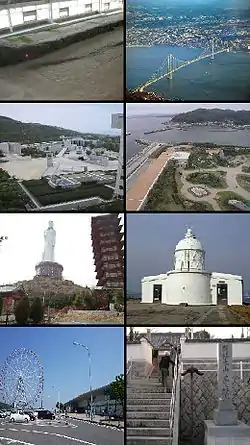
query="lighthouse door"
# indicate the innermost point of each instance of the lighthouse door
(157, 293)
(222, 292)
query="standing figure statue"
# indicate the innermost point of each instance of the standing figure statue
(49, 243)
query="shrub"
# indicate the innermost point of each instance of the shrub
(22, 311)
(37, 311)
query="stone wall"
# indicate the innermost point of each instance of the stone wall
(205, 399)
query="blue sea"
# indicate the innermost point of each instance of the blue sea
(224, 79)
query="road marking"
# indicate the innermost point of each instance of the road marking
(14, 441)
(74, 439)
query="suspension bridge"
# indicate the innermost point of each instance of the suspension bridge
(172, 64)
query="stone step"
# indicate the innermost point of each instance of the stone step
(158, 413)
(147, 423)
(146, 401)
(147, 389)
(150, 395)
(143, 382)
(148, 408)
(148, 432)
(145, 440)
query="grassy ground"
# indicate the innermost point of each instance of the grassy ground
(223, 197)
(48, 195)
(244, 181)
(166, 196)
(160, 314)
(211, 179)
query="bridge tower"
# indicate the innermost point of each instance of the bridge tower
(170, 66)
(212, 55)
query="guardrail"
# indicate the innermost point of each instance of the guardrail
(175, 404)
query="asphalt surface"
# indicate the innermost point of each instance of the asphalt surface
(55, 433)
(160, 314)
(88, 70)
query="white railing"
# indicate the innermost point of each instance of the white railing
(239, 366)
(175, 404)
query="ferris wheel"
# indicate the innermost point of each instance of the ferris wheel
(22, 378)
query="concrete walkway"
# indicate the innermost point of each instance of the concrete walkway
(97, 419)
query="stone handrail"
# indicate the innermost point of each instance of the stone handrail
(175, 404)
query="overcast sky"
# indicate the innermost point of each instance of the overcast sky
(152, 238)
(219, 332)
(24, 247)
(83, 117)
(161, 108)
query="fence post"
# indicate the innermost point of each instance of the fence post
(241, 371)
(9, 17)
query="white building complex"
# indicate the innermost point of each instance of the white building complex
(189, 282)
(117, 122)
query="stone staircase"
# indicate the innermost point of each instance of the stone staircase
(148, 408)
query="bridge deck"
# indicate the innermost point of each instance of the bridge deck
(139, 191)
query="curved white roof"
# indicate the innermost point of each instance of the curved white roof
(190, 242)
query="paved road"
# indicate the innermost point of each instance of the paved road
(54, 433)
(159, 314)
(88, 70)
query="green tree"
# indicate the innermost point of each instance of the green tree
(77, 300)
(117, 389)
(22, 311)
(60, 406)
(37, 311)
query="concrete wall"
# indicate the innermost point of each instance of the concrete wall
(209, 350)
(205, 399)
(188, 287)
(234, 284)
(32, 12)
(139, 352)
(147, 285)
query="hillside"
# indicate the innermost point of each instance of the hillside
(16, 131)
(200, 115)
(50, 287)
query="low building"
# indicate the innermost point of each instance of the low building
(102, 402)
(10, 294)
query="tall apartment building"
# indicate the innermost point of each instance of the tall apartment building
(107, 248)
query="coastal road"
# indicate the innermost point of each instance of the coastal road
(55, 433)
(88, 70)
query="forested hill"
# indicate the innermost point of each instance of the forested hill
(241, 117)
(16, 131)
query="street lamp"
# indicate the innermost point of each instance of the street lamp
(58, 397)
(75, 343)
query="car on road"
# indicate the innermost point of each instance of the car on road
(19, 417)
(45, 414)
(3, 414)
(31, 415)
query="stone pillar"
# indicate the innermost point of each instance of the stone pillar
(225, 429)
(226, 413)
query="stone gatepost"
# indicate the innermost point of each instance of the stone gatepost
(226, 429)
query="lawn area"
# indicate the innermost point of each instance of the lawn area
(47, 195)
(244, 181)
(166, 195)
(223, 197)
(211, 179)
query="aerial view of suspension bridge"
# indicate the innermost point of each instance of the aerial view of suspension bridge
(188, 50)
(172, 64)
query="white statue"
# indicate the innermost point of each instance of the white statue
(49, 243)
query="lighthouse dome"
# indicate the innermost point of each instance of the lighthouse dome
(190, 242)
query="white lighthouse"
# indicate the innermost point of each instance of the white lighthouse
(189, 282)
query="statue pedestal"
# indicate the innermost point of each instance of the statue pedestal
(226, 435)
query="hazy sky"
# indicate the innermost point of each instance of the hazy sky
(219, 332)
(83, 117)
(151, 241)
(133, 109)
(25, 244)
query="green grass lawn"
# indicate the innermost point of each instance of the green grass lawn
(47, 195)
(210, 179)
(244, 181)
(223, 197)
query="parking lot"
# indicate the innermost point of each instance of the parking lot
(58, 432)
